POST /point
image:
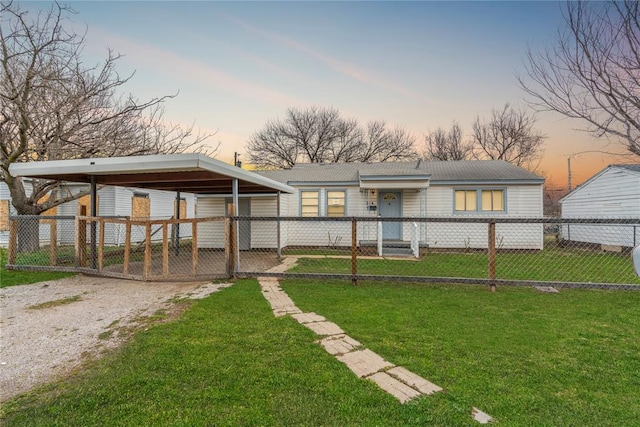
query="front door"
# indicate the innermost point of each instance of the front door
(390, 203)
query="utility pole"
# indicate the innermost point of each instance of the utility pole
(569, 174)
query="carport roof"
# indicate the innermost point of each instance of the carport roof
(190, 173)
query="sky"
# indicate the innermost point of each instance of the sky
(419, 65)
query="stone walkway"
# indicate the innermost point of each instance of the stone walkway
(398, 381)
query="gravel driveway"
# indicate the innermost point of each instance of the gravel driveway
(47, 329)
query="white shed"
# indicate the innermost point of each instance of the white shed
(613, 192)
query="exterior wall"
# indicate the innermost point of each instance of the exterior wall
(614, 193)
(521, 201)
(211, 234)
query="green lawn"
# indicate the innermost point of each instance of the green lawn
(526, 358)
(552, 264)
(17, 277)
(226, 362)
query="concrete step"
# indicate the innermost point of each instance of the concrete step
(395, 251)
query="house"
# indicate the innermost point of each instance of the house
(614, 192)
(416, 189)
(112, 201)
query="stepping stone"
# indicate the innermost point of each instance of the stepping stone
(413, 380)
(309, 318)
(547, 289)
(324, 328)
(364, 362)
(340, 344)
(399, 390)
(282, 313)
(480, 416)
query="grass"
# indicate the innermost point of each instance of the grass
(17, 277)
(227, 361)
(524, 357)
(552, 264)
(55, 303)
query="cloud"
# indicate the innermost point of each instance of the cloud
(349, 70)
(194, 70)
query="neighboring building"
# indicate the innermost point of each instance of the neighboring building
(112, 201)
(414, 189)
(613, 192)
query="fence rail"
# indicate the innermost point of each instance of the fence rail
(561, 252)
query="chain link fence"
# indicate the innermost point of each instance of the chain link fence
(592, 253)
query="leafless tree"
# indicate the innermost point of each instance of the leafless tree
(321, 135)
(509, 135)
(593, 72)
(55, 107)
(447, 145)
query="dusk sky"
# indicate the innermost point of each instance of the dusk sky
(419, 65)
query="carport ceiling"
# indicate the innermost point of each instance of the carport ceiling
(190, 173)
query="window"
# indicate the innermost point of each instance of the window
(488, 200)
(466, 200)
(140, 205)
(335, 203)
(309, 203)
(493, 200)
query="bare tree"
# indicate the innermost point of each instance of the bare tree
(321, 135)
(509, 135)
(447, 145)
(54, 107)
(593, 72)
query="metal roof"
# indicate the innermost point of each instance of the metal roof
(190, 173)
(438, 172)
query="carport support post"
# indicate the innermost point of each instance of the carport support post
(492, 255)
(354, 251)
(176, 226)
(236, 226)
(230, 240)
(94, 213)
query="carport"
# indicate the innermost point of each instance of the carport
(188, 173)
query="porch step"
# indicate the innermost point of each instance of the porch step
(396, 249)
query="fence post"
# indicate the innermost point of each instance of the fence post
(231, 242)
(101, 245)
(147, 251)
(194, 247)
(127, 245)
(81, 237)
(354, 251)
(492, 255)
(165, 247)
(13, 241)
(53, 242)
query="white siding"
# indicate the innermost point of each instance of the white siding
(613, 193)
(264, 233)
(211, 234)
(521, 201)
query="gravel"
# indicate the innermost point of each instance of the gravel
(41, 344)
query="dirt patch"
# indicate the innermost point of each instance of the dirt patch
(40, 346)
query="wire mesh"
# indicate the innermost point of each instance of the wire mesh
(524, 251)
